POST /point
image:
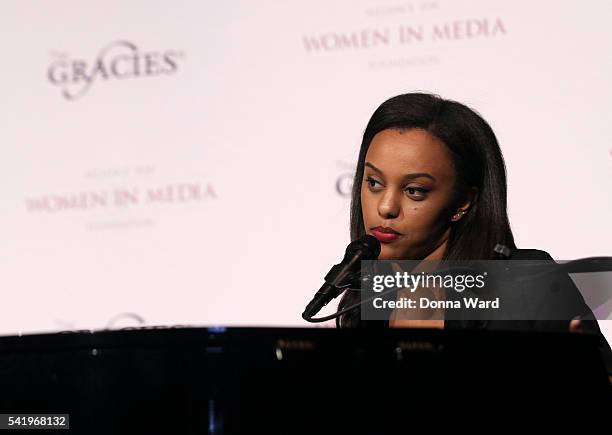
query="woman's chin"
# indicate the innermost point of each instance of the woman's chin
(388, 253)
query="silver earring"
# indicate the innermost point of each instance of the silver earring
(457, 215)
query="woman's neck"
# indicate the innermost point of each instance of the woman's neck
(438, 253)
(429, 263)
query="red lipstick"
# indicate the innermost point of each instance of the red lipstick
(385, 234)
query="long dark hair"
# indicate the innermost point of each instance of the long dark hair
(477, 160)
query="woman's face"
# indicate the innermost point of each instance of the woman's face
(408, 188)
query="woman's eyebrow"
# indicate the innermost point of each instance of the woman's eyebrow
(407, 176)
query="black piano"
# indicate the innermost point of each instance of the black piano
(305, 380)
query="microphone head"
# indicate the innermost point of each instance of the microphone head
(369, 245)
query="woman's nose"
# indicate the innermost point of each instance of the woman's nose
(390, 205)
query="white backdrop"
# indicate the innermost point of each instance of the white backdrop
(189, 162)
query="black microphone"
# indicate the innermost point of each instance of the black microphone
(365, 248)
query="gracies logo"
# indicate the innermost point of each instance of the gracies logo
(118, 60)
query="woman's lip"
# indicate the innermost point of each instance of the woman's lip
(386, 230)
(384, 237)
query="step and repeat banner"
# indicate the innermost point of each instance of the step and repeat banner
(190, 162)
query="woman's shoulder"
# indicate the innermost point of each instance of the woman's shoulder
(530, 254)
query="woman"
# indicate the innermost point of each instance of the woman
(431, 185)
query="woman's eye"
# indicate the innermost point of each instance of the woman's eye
(372, 182)
(416, 192)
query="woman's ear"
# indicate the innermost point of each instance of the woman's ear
(470, 199)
